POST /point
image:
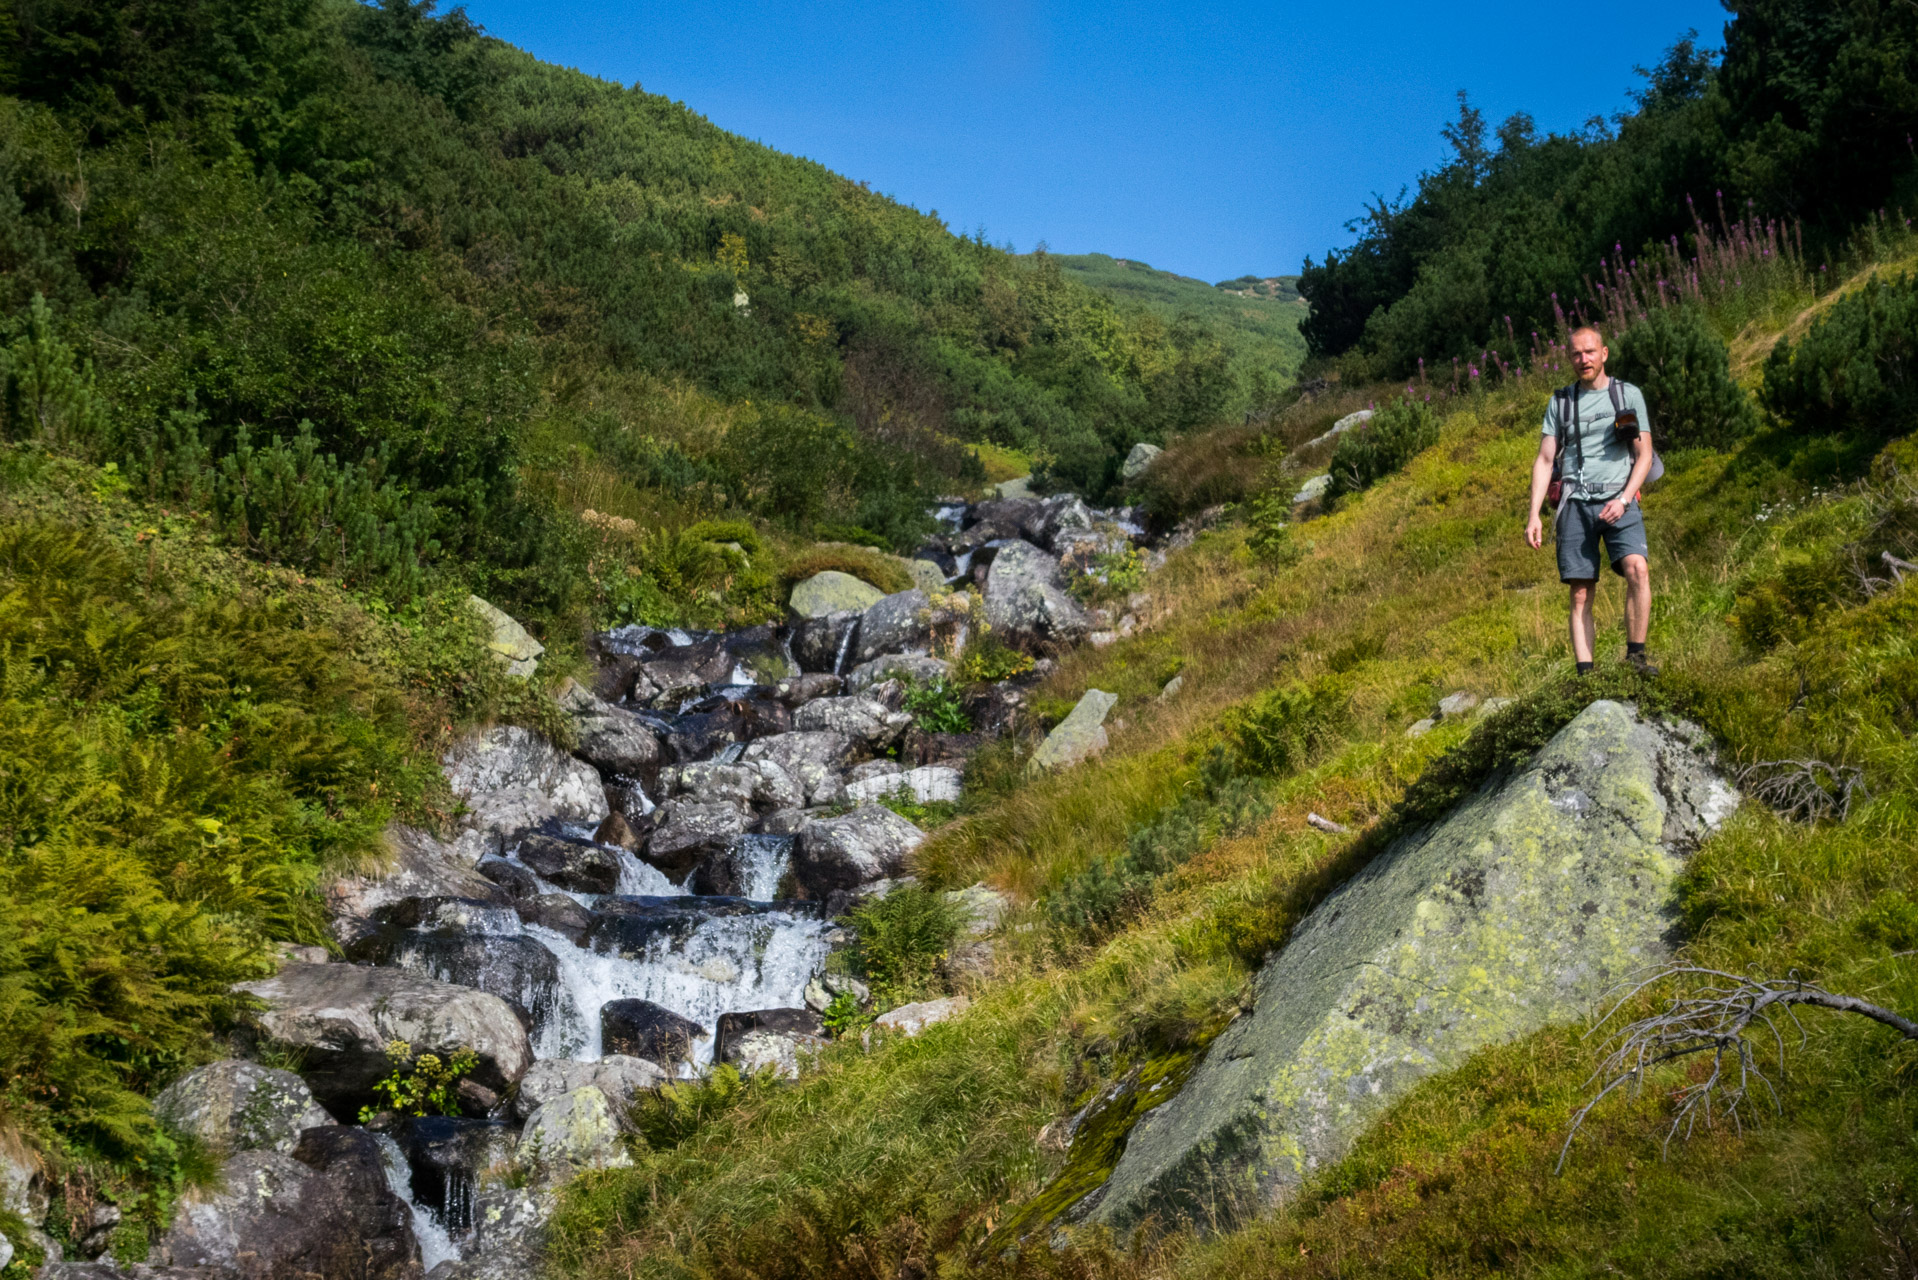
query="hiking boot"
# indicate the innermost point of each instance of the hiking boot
(1641, 664)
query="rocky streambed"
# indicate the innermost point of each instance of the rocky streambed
(603, 920)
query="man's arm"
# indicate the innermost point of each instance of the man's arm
(1541, 480)
(1641, 467)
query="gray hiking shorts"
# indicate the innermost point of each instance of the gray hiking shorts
(1579, 532)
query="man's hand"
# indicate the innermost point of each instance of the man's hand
(1535, 532)
(1612, 511)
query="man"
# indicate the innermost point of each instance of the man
(1602, 472)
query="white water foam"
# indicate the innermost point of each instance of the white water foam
(641, 880)
(727, 964)
(436, 1246)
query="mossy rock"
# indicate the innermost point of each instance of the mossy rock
(831, 591)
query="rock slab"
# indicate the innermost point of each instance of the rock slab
(1082, 733)
(233, 1106)
(1518, 910)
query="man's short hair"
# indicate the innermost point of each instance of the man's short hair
(1587, 328)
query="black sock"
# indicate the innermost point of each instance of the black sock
(1585, 668)
(1634, 646)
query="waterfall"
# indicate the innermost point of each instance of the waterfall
(845, 644)
(436, 1246)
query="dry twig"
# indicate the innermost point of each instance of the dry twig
(1805, 790)
(1714, 1017)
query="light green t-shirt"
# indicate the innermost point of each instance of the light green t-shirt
(1606, 464)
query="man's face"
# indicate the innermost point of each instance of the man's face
(1588, 355)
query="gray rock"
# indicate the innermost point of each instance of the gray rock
(507, 641)
(233, 1106)
(1419, 728)
(341, 1017)
(881, 768)
(642, 1029)
(575, 1131)
(831, 592)
(577, 865)
(354, 1161)
(907, 666)
(1058, 520)
(710, 782)
(926, 575)
(1490, 705)
(769, 1040)
(1138, 460)
(512, 780)
(514, 879)
(6, 1252)
(1456, 704)
(802, 689)
(823, 987)
(509, 1234)
(870, 843)
(750, 866)
(1519, 909)
(421, 867)
(1312, 490)
(813, 760)
(861, 718)
(274, 1217)
(1026, 602)
(911, 1019)
(1172, 688)
(823, 646)
(1081, 734)
(894, 624)
(515, 968)
(558, 912)
(619, 1077)
(611, 739)
(785, 822)
(932, 783)
(984, 908)
(689, 830)
(1340, 427)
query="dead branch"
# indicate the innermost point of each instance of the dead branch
(1805, 790)
(1719, 1016)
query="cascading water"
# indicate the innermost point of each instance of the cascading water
(436, 1245)
(845, 645)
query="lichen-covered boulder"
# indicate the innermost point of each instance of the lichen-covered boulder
(769, 1040)
(507, 640)
(509, 1234)
(512, 780)
(831, 591)
(689, 831)
(611, 739)
(913, 667)
(617, 1076)
(652, 1032)
(928, 784)
(868, 844)
(1138, 460)
(575, 1131)
(1082, 733)
(894, 624)
(860, 717)
(811, 759)
(1026, 602)
(233, 1106)
(1515, 912)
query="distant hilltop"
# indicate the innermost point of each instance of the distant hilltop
(1282, 288)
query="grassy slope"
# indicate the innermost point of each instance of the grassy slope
(1265, 328)
(902, 1161)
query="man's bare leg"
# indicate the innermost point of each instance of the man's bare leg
(1584, 625)
(1638, 598)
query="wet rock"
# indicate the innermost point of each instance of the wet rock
(1026, 601)
(341, 1017)
(619, 1077)
(770, 1040)
(691, 666)
(870, 843)
(509, 1234)
(910, 667)
(275, 1216)
(759, 655)
(517, 969)
(447, 1155)
(515, 880)
(750, 866)
(507, 640)
(1514, 913)
(618, 832)
(557, 912)
(802, 689)
(575, 1131)
(512, 780)
(824, 645)
(996, 521)
(830, 592)
(702, 735)
(689, 830)
(642, 1029)
(351, 1159)
(863, 719)
(634, 928)
(1081, 734)
(927, 784)
(611, 739)
(893, 625)
(233, 1106)
(421, 866)
(811, 759)
(571, 864)
(911, 1019)
(1138, 460)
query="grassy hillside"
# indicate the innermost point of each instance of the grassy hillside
(1157, 878)
(1259, 316)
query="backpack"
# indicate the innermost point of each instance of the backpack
(1556, 490)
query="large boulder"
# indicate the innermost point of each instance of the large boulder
(506, 640)
(895, 624)
(353, 1160)
(1026, 601)
(420, 867)
(341, 1017)
(863, 719)
(617, 1076)
(517, 969)
(690, 830)
(276, 1217)
(769, 1040)
(509, 1234)
(928, 784)
(575, 1131)
(446, 1156)
(233, 1106)
(1138, 460)
(811, 759)
(611, 739)
(757, 783)
(831, 591)
(916, 668)
(642, 1029)
(1082, 733)
(578, 865)
(823, 645)
(1514, 913)
(870, 843)
(513, 780)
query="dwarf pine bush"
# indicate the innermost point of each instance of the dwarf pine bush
(1856, 371)
(1685, 373)
(1374, 450)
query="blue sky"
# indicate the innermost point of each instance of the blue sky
(1211, 139)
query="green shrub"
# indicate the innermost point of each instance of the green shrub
(988, 659)
(925, 814)
(1856, 371)
(1285, 729)
(674, 1113)
(938, 707)
(423, 1085)
(900, 939)
(1370, 452)
(1685, 373)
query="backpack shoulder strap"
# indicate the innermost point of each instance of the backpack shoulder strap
(1618, 387)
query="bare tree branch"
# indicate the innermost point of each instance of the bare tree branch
(1720, 1016)
(1805, 790)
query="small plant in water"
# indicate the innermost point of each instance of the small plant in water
(424, 1086)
